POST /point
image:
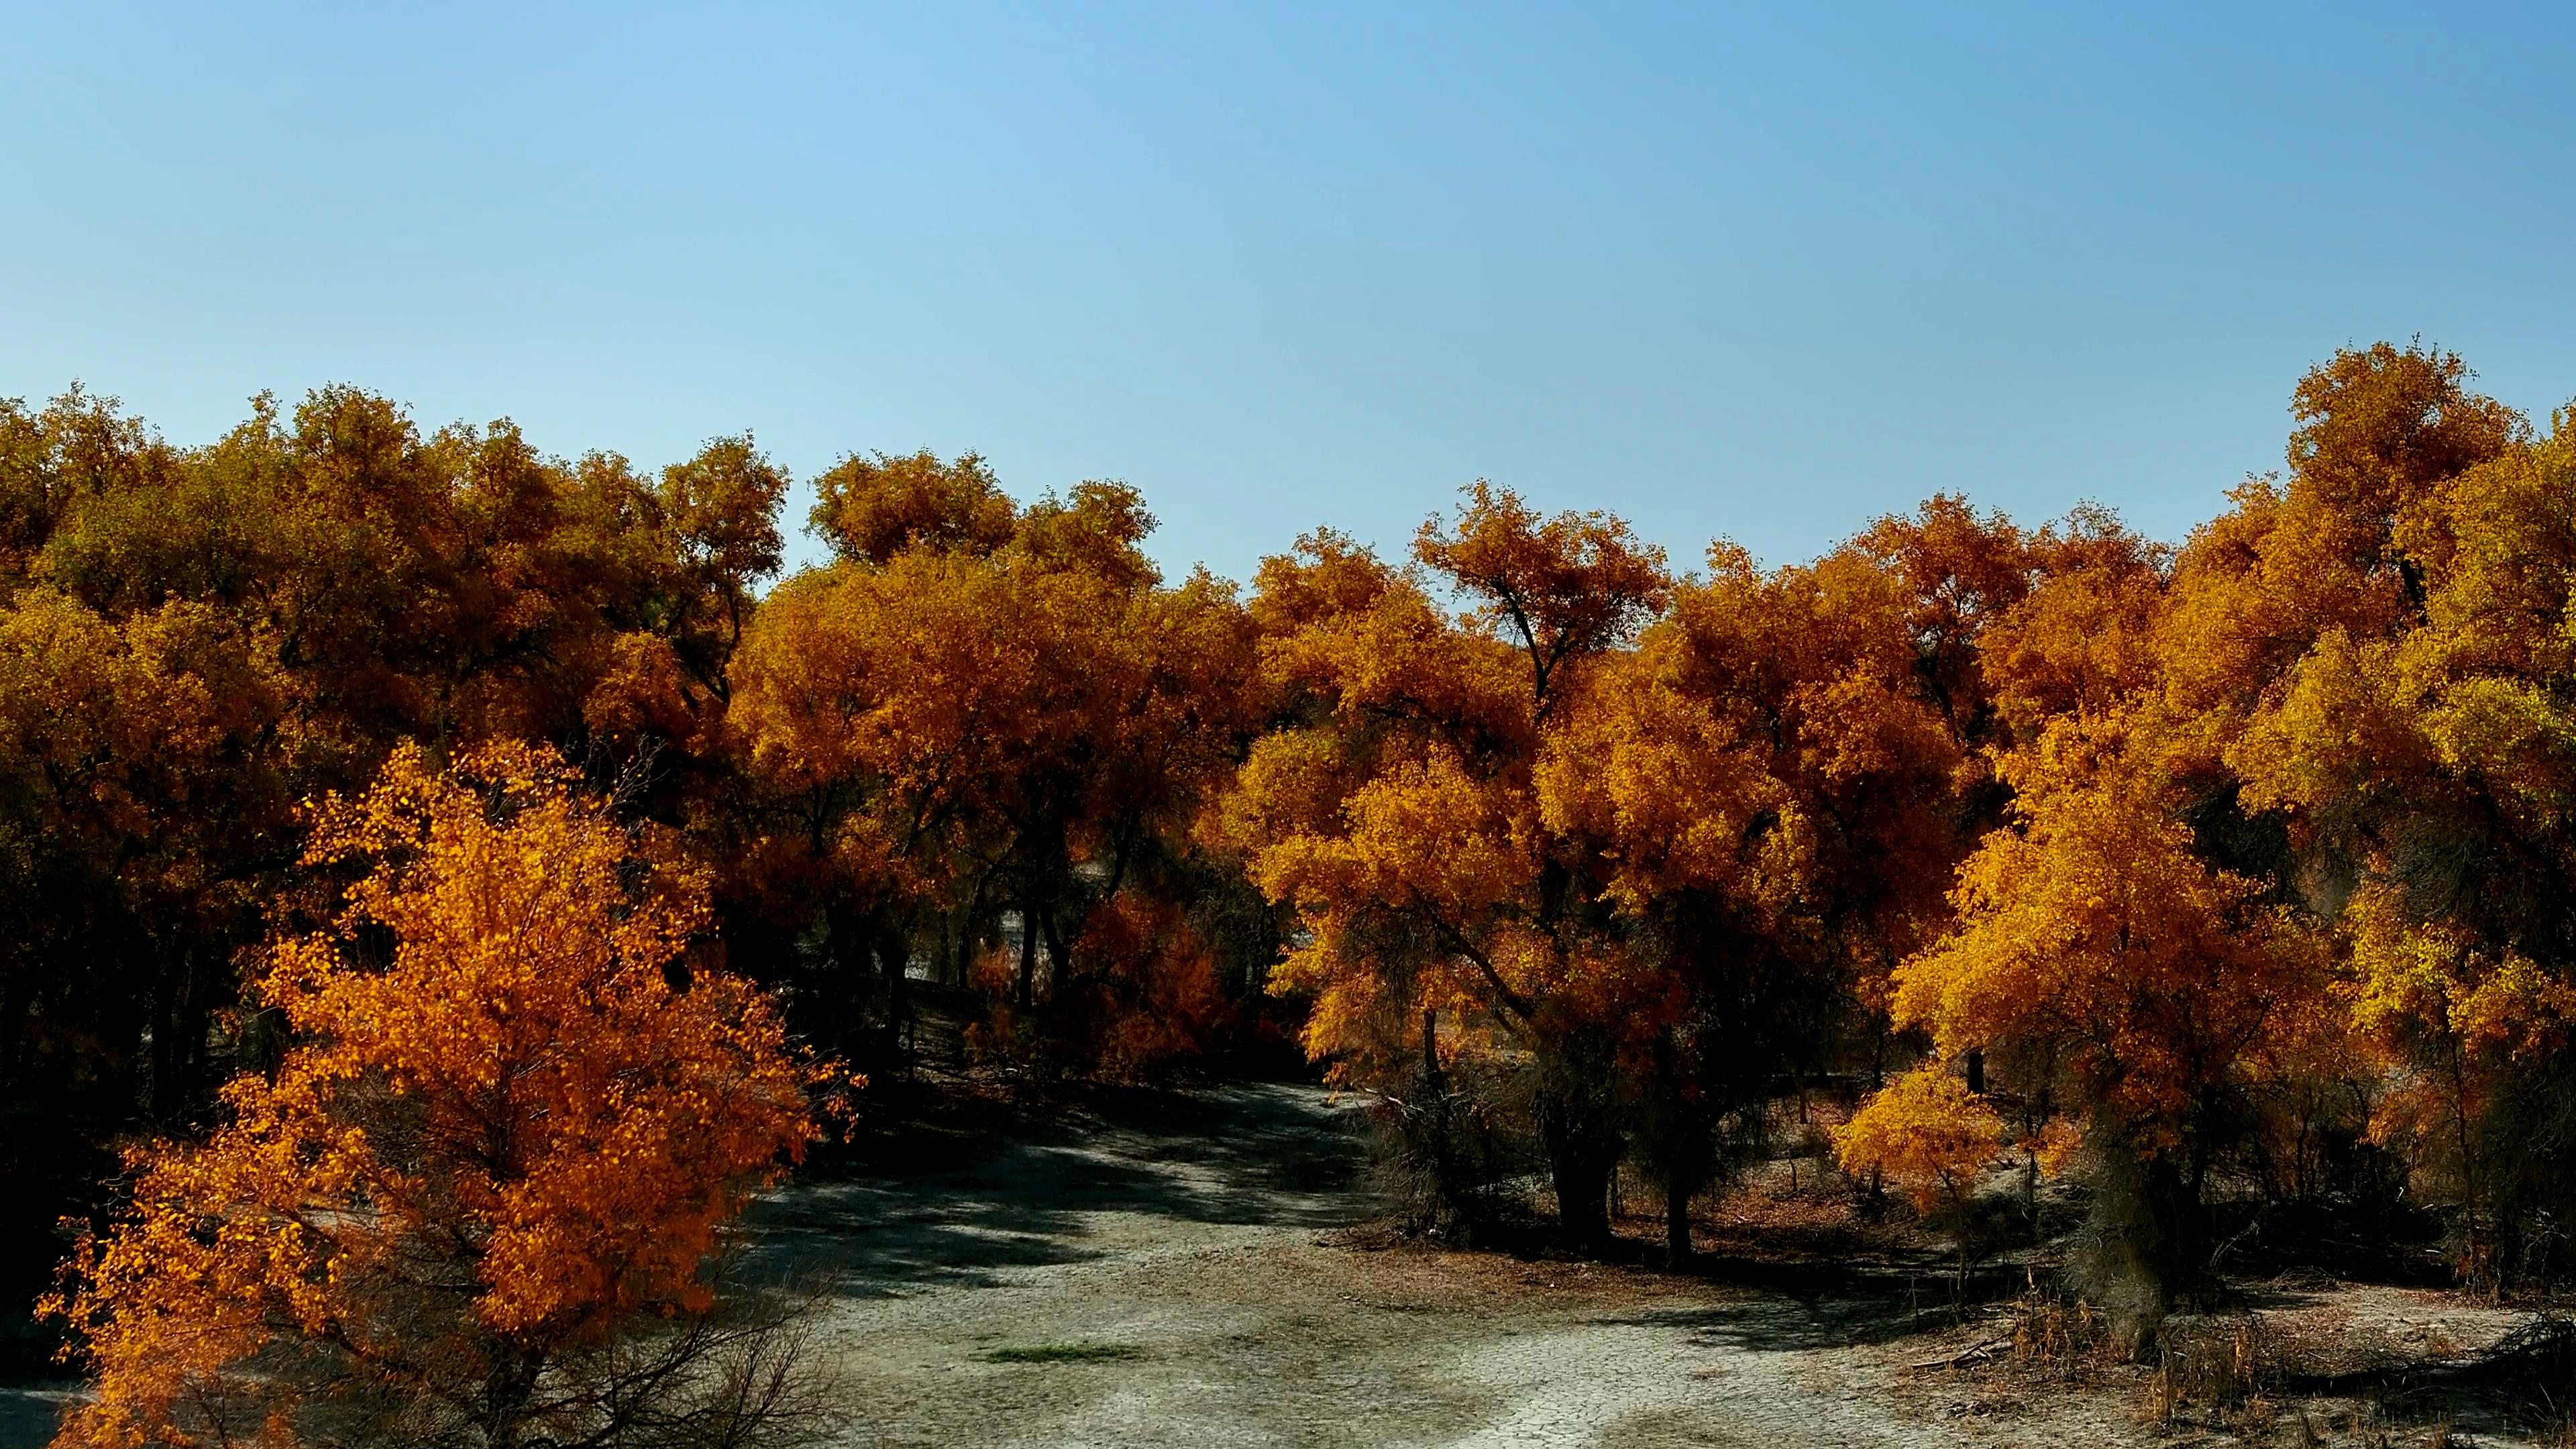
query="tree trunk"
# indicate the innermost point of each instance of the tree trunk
(1582, 1140)
(1677, 1132)
(1028, 948)
(1059, 955)
(894, 959)
(845, 941)
(1581, 1174)
(172, 1001)
(2144, 1245)
(1677, 1222)
(1436, 1140)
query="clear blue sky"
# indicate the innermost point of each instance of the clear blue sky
(1762, 273)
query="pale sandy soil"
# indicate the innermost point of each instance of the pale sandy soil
(1215, 1241)
(1202, 1240)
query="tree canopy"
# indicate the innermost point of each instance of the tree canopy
(2231, 871)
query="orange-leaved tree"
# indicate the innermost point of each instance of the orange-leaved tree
(1700, 857)
(477, 1198)
(2434, 760)
(1397, 810)
(1857, 675)
(977, 710)
(1930, 1136)
(2092, 937)
(2365, 685)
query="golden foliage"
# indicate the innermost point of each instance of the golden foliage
(1927, 1133)
(876, 506)
(2285, 810)
(2094, 932)
(511, 1119)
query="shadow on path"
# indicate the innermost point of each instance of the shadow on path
(966, 1207)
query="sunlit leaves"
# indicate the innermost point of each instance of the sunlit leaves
(2093, 931)
(495, 1145)
(1926, 1133)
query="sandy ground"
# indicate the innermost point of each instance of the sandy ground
(1200, 1239)
(1194, 1270)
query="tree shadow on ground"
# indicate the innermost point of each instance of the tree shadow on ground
(965, 1199)
(1809, 1307)
(30, 1412)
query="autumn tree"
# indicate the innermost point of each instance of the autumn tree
(2347, 697)
(1701, 858)
(2093, 937)
(2419, 765)
(886, 712)
(1932, 1137)
(872, 507)
(1397, 807)
(1776, 785)
(1848, 694)
(2081, 644)
(475, 1200)
(982, 709)
(194, 639)
(720, 512)
(2233, 740)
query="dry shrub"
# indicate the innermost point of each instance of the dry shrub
(1453, 1152)
(2222, 1368)
(2057, 1333)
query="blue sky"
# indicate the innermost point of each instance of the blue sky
(1756, 272)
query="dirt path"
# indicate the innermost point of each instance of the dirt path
(1174, 1271)
(1168, 1276)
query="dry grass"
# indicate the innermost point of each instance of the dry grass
(2315, 1364)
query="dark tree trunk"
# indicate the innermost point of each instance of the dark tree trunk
(1059, 955)
(1581, 1174)
(1028, 949)
(1435, 1134)
(845, 941)
(2148, 1241)
(1582, 1140)
(894, 959)
(175, 1013)
(1679, 1143)
(1677, 1221)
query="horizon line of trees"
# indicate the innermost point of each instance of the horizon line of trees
(2228, 872)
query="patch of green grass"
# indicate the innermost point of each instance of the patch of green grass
(1061, 1353)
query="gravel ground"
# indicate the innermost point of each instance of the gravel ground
(1199, 1241)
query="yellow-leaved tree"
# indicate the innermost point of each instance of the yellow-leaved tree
(1396, 808)
(476, 1200)
(1930, 1136)
(2091, 936)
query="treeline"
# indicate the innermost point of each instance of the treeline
(2234, 873)
(982, 715)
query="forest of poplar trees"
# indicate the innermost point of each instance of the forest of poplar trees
(418, 838)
